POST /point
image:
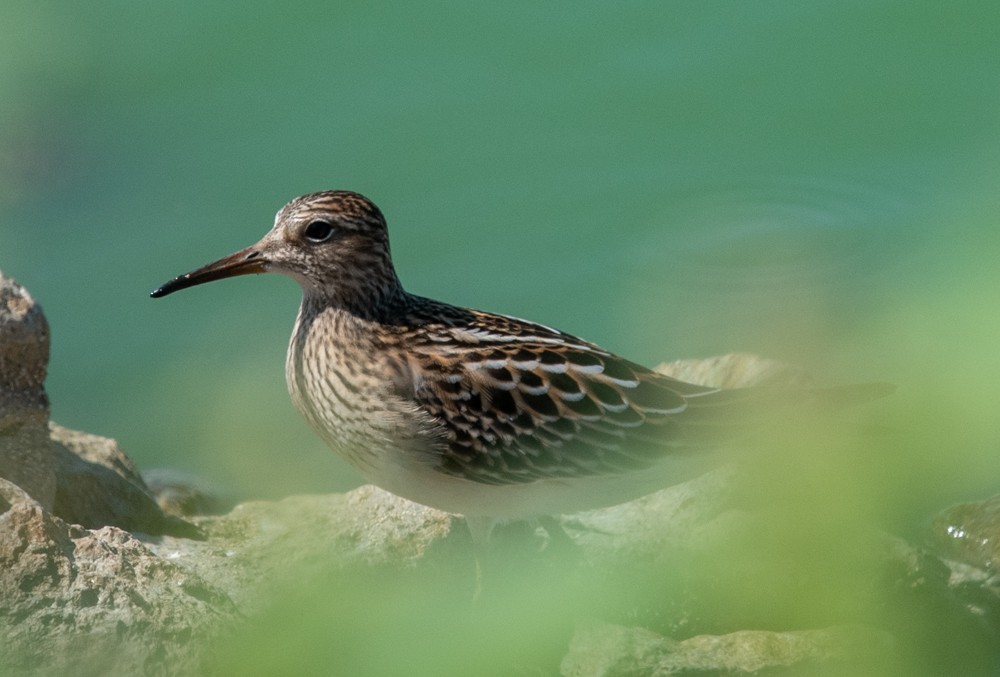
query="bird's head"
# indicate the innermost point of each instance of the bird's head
(334, 244)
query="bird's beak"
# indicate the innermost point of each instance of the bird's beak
(243, 262)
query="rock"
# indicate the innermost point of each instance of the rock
(968, 538)
(970, 533)
(24, 337)
(183, 494)
(603, 650)
(366, 527)
(25, 457)
(99, 485)
(76, 601)
(84, 479)
(681, 516)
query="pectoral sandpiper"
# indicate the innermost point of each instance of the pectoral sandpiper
(475, 413)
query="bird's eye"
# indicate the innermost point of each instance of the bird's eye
(318, 231)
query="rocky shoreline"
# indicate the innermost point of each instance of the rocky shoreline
(102, 572)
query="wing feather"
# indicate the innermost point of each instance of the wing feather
(520, 402)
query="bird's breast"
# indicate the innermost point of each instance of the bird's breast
(347, 390)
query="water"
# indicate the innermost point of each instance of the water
(813, 182)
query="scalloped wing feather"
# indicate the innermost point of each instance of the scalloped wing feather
(521, 402)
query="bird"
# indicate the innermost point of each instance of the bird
(485, 415)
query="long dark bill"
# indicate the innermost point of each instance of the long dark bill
(244, 262)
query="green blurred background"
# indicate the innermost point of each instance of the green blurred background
(814, 182)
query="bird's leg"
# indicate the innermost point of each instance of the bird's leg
(480, 527)
(559, 540)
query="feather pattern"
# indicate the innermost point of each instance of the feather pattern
(521, 402)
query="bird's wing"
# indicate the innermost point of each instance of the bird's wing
(523, 402)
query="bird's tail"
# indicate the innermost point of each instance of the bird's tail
(729, 414)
